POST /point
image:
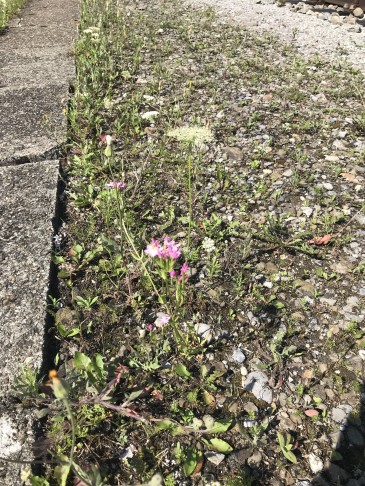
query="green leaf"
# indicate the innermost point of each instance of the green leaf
(134, 395)
(281, 440)
(220, 445)
(164, 425)
(177, 430)
(279, 305)
(74, 332)
(81, 361)
(203, 371)
(191, 461)
(38, 481)
(43, 412)
(181, 371)
(220, 426)
(290, 456)
(61, 473)
(63, 274)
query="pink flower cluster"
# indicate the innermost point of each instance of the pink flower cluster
(120, 185)
(181, 275)
(169, 249)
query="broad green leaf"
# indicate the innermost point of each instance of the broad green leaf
(81, 361)
(164, 424)
(61, 473)
(220, 445)
(38, 481)
(43, 412)
(177, 430)
(220, 426)
(191, 461)
(290, 456)
(181, 371)
(203, 371)
(279, 305)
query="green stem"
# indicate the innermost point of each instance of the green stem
(73, 432)
(190, 200)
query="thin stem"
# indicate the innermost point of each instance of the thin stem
(190, 200)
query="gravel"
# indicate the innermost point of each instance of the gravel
(311, 35)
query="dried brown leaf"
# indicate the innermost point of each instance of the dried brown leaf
(321, 240)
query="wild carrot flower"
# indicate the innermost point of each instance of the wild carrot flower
(162, 319)
(120, 185)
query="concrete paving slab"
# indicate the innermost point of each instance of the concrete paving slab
(23, 129)
(20, 67)
(36, 68)
(35, 72)
(27, 207)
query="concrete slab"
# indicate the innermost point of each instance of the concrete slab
(23, 127)
(27, 207)
(35, 72)
(36, 68)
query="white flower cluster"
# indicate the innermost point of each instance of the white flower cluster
(93, 32)
(208, 245)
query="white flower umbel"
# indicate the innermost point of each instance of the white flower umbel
(193, 134)
(208, 245)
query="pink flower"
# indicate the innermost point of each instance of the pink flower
(170, 249)
(184, 269)
(149, 327)
(116, 185)
(173, 273)
(153, 248)
(162, 319)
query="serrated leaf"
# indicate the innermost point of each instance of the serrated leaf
(220, 445)
(81, 361)
(220, 426)
(181, 371)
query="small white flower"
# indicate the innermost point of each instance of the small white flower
(208, 245)
(149, 114)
